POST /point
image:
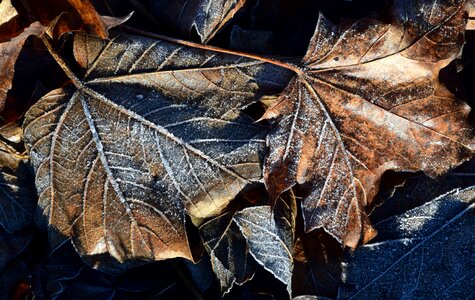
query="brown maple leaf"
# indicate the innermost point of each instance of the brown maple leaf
(143, 138)
(9, 51)
(367, 99)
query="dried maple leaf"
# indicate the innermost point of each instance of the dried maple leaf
(154, 128)
(9, 51)
(367, 100)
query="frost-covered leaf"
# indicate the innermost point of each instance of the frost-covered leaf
(270, 236)
(229, 253)
(205, 17)
(418, 189)
(17, 193)
(154, 128)
(368, 100)
(425, 253)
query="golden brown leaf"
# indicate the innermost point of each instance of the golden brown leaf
(367, 100)
(90, 17)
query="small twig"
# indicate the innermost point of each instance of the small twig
(275, 62)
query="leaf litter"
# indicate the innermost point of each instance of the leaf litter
(156, 150)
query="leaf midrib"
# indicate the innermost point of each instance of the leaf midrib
(163, 131)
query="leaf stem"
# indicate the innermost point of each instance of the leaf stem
(60, 61)
(275, 62)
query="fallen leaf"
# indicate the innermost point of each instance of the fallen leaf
(17, 195)
(368, 100)
(229, 253)
(205, 17)
(424, 253)
(9, 51)
(154, 128)
(11, 132)
(271, 236)
(419, 189)
(65, 16)
(90, 17)
(201, 273)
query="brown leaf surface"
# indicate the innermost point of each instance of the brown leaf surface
(90, 17)
(368, 100)
(152, 130)
(9, 51)
(65, 16)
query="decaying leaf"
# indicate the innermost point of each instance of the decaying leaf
(71, 15)
(9, 51)
(229, 253)
(152, 129)
(271, 236)
(424, 253)
(367, 100)
(17, 195)
(90, 17)
(206, 17)
(11, 132)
